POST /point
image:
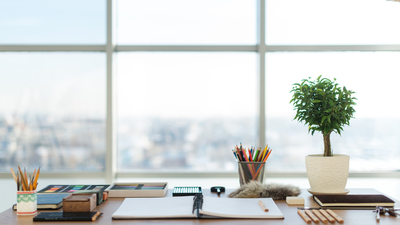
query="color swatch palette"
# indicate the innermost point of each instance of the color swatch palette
(131, 190)
(71, 188)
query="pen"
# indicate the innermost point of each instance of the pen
(263, 207)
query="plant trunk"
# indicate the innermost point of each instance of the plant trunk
(327, 145)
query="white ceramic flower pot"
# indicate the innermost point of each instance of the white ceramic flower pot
(327, 174)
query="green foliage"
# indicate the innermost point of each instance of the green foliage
(324, 106)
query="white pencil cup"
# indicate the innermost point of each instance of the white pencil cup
(26, 202)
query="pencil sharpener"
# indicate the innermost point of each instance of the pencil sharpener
(218, 190)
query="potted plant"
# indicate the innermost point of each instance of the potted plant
(325, 107)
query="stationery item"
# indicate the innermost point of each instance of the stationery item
(79, 203)
(336, 216)
(251, 163)
(132, 190)
(67, 216)
(197, 204)
(320, 216)
(326, 214)
(26, 202)
(71, 189)
(304, 216)
(382, 210)
(186, 191)
(23, 182)
(263, 206)
(247, 172)
(291, 200)
(184, 207)
(218, 190)
(353, 200)
(312, 216)
(48, 201)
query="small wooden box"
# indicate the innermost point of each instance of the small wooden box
(79, 203)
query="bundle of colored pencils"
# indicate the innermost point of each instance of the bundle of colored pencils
(253, 158)
(23, 183)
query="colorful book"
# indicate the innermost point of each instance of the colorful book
(86, 189)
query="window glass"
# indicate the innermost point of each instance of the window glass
(323, 22)
(52, 111)
(53, 22)
(186, 22)
(371, 140)
(185, 110)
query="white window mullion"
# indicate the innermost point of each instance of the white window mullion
(261, 56)
(111, 133)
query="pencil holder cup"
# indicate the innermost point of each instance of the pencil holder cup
(26, 202)
(249, 171)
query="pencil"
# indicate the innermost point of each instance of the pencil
(15, 178)
(304, 216)
(36, 178)
(261, 166)
(336, 216)
(24, 184)
(312, 216)
(263, 206)
(320, 216)
(329, 217)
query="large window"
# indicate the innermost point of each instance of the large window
(131, 86)
(52, 111)
(185, 110)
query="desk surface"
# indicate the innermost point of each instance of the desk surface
(364, 217)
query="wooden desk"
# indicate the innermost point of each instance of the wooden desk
(362, 217)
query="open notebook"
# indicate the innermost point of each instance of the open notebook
(183, 207)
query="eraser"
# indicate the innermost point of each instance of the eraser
(295, 200)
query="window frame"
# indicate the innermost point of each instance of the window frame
(110, 48)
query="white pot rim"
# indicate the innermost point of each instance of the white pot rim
(322, 155)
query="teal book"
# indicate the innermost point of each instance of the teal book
(49, 201)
